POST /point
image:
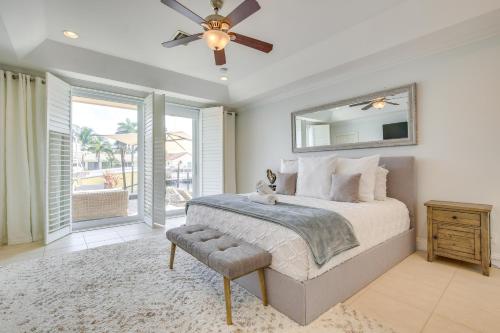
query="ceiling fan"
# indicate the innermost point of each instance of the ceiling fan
(377, 103)
(216, 28)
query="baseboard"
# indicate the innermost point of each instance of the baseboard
(495, 260)
(421, 243)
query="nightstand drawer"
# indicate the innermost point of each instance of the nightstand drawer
(473, 219)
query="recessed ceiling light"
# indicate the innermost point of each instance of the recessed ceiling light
(224, 78)
(70, 34)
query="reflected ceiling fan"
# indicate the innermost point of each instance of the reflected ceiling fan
(377, 103)
(216, 28)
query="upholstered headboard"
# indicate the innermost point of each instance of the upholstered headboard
(401, 181)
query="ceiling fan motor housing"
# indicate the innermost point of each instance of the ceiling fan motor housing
(216, 22)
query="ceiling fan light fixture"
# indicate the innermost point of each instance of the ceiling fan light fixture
(379, 104)
(216, 39)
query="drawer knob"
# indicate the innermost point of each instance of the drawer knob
(454, 217)
(435, 237)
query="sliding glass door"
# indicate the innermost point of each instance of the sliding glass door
(181, 157)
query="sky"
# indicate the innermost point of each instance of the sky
(102, 119)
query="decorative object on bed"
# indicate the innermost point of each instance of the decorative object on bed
(297, 286)
(263, 188)
(459, 231)
(381, 184)
(286, 183)
(385, 118)
(345, 187)
(367, 167)
(326, 232)
(231, 257)
(271, 176)
(314, 178)
(265, 199)
(289, 166)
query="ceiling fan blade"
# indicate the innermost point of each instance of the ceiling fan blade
(244, 10)
(183, 11)
(369, 106)
(361, 103)
(391, 103)
(220, 57)
(252, 42)
(182, 41)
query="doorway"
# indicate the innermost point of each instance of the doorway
(107, 160)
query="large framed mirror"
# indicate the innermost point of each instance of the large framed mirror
(382, 119)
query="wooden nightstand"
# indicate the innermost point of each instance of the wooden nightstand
(459, 231)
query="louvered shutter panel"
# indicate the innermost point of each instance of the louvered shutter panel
(154, 159)
(212, 151)
(58, 172)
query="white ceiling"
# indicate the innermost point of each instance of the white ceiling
(134, 29)
(309, 37)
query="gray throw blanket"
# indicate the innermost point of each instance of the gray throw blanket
(327, 233)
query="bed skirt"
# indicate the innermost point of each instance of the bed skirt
(304, 301)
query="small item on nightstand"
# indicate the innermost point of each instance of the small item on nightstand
(272, 179)
(459, 231)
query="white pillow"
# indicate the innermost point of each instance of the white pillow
(314, 177)
(367, 167)
(289, 166)
(381, 184)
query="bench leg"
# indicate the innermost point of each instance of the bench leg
(262, 282)
(172, 255)
(227, 295)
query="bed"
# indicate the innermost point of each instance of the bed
(297, 286)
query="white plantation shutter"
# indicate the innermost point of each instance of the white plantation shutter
(212, 151)
(154, 159)
(58, 172)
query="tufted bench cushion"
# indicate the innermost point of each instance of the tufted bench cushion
(225, 254)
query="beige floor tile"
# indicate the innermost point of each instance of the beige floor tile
(100, 235)
(472, 300)
(409, 289)
(400, 316)
(133, 230)
(62, 250)
(8, 257)
(75, 239)
(438, 324)
(105, 242)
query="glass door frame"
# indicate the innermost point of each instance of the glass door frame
(139, 102)
(192, 113)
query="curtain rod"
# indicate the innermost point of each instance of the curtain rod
(16, 76)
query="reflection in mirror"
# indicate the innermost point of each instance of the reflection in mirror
(380, 119)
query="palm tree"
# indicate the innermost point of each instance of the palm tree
(127, 126)
(98, 146)
(85, 136)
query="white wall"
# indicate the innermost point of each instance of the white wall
(458, 110)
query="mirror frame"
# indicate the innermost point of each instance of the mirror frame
(412, 122)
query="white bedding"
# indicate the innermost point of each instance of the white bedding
(374, 222)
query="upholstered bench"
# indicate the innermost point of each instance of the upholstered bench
(231, 257)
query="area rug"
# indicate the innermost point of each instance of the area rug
(128, 287)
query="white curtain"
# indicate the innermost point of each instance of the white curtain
(22, 158)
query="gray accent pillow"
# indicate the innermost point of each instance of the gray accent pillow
(345, 187)
(286, 183)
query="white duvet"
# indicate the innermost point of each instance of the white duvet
(373, 222)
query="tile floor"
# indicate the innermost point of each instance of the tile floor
(414, 296)
(83, 240)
